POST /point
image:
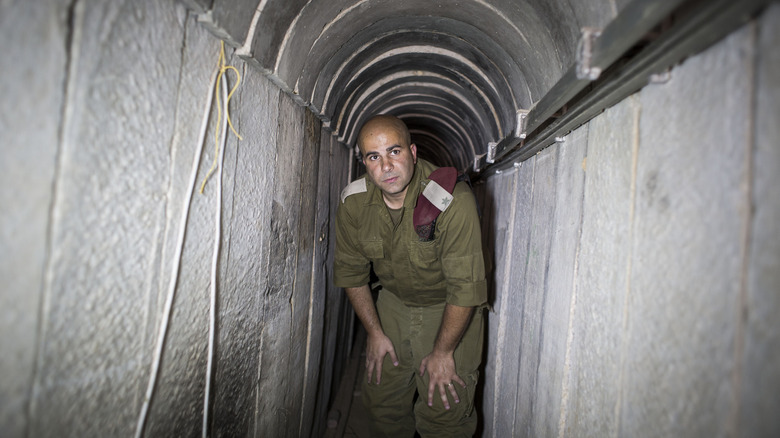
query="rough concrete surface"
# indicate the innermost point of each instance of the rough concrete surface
(108, 211)
(533, 283)
(555, 312)
(240, 303)
(496, 221)
(593, 387)
(686, 251)
(33, 119)
(760, 374)
(511, 295)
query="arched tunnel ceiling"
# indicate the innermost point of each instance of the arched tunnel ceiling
(456, 71)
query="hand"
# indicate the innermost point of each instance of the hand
(441, 371)
(377, 346)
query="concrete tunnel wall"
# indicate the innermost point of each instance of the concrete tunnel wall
(636, 264)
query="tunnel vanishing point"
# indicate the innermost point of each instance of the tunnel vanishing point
(625, 155)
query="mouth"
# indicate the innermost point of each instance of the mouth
(390, 180)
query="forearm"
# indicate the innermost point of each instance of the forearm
(363, 303)
(453, 324)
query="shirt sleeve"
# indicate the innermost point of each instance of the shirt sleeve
(461, 250)
(350, 267)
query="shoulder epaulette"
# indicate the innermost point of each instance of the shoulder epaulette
(437, 195)
(357, 186)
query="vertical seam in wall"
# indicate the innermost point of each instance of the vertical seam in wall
(545, 286)
(263, 279)
(291, 299)
(501, 331)
(313, 268)
(629, 261)
(267, 264)
(70, 43)
(562, 419)
(521, 310)
(732, 426)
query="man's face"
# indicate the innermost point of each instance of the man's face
(389, 162)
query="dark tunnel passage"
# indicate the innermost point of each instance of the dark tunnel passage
(456, 73)
(172, 170)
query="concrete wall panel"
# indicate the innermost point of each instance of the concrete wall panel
(322, 337)
(565, 228)
(244, 257)
(593, 387)
(339, 316)
(686, 252)
(30, 120)
(319, 283)
(109, 211)
(182, 375)
(279, 364)
(510, 295)
(533, 284)
(496, 220)
(760, 373)
(304, 300)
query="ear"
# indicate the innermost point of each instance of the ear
(413, 148)
(360, 153)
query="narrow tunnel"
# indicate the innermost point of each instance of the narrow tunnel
(171, 170)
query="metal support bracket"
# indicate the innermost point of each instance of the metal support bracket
(521, 123)
(661, 78)
(585, 69)
(477, 162)
(491, 152)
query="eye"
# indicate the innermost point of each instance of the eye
(395, 152)
(373, 157)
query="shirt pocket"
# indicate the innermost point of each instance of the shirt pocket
(426, 266)
(372, 249)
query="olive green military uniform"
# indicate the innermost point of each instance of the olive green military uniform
(418, 279)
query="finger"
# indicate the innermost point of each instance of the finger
(369, 370)
(443, 395)
(431, 385)
(459, 380)
(394, 357)
(378, 371)
(422, 368)
(453, 393)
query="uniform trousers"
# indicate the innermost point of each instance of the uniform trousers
(391, 405)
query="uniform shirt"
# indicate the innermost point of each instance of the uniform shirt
(450, 268)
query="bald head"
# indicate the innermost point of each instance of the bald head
(383, 124)
(389, 157)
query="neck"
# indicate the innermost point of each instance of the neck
(394, 201)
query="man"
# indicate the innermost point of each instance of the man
(424, 334)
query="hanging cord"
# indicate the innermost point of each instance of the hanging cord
(222, 70)
(176, 264)
(219, 157)
(219, 85)
(214, 269)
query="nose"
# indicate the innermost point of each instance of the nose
(387, 165)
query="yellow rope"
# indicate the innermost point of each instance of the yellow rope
(222, 70)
